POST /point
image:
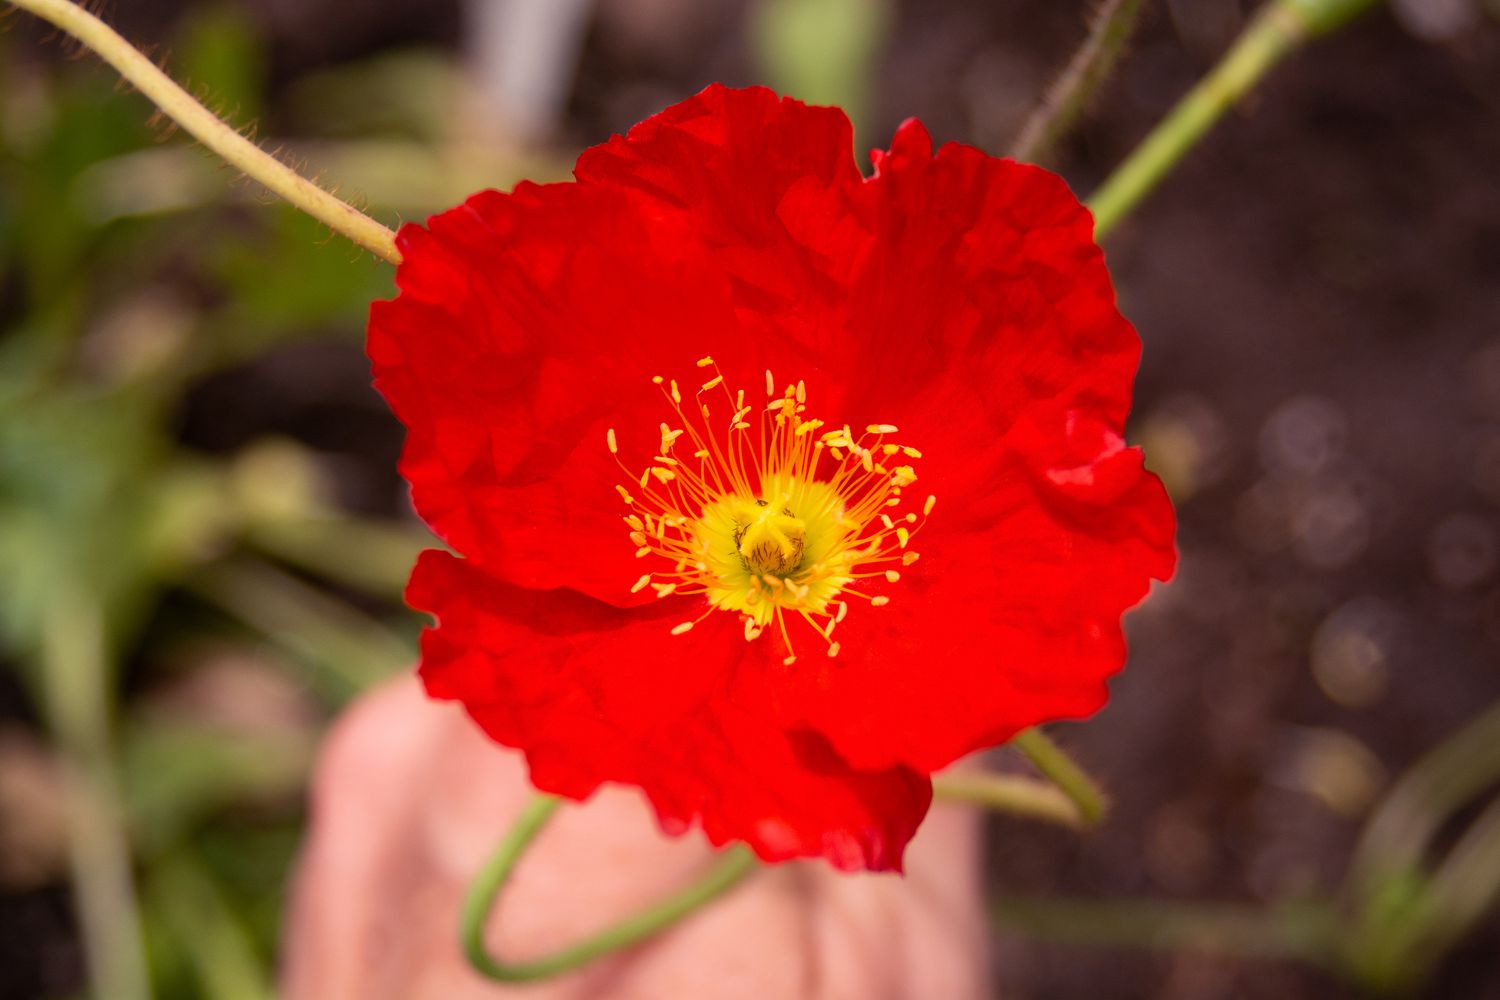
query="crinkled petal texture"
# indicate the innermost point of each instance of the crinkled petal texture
(958, 296)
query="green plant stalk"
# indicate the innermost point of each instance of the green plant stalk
(1444, 780)
(1009, 794)
(1407, 915)
(1064, 772)
(1302, 933)
(1070, 94)
(351, 650)
(75, 679)
(1278, 29)
(735, 864)
(1391, 950)
(1464, 888)
(205, 126)
(213, 939)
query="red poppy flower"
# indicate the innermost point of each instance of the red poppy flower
(773, 487)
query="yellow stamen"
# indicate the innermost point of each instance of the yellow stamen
(775, 515)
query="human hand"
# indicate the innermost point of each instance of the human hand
(409, 798)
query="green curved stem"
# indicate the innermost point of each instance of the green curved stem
(1278, 29)
(205, 126)
(1009, 794)
(728, 872)
(1064, 772)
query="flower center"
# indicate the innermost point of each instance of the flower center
(770, 517)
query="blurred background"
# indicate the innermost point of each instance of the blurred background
(203, 538)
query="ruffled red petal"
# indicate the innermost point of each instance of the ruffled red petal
(530, 323)
(993, 632)
(955, 295)
(594, 693)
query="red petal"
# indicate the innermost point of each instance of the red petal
(531, 323)
(958, 296)
(993, 632)
(594, 693)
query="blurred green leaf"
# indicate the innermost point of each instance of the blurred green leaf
(822, 51)
(291, 277)
(220, 57)
(177, 774)
(200, 946)
(412, 94)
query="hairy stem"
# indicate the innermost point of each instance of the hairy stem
(1278, 29)
(1086, 72)
(201, 123)
(735, 864)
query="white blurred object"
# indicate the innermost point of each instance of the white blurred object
(1437, 20)
(524, 58)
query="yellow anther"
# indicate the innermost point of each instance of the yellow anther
(927, 507)
(641, 584)
(760, 524)
(880, 601)
(614, 446)
(910, 557)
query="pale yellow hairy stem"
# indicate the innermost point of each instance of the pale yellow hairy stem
(203, 125)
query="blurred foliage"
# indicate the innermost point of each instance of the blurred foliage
(824, 51)
(130, 270)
